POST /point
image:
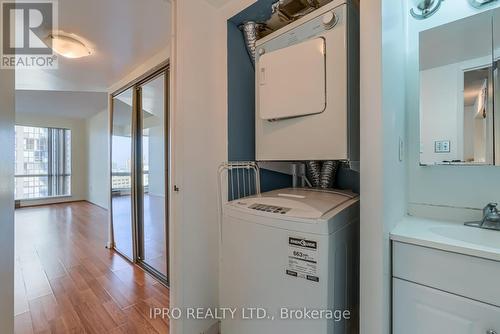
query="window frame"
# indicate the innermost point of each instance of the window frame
(68, 169)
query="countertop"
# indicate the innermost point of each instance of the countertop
(448, 236)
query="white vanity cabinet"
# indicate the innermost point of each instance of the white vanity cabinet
(418, 309)
(441, 292)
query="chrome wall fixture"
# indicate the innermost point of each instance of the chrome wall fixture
(480, 3)
(426, 8)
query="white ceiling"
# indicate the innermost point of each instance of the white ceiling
(124, 34)
(79, 105)
(152, 102)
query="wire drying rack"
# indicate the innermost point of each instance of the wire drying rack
(237, 180)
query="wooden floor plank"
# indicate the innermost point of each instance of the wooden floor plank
(22, 323)
(68, 282)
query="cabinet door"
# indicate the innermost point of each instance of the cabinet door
(421, 310)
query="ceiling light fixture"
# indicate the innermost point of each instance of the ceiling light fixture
(426, 7)
(69, 45)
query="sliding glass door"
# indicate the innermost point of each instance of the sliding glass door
(139, 177)
(121, 172)
(153, 251)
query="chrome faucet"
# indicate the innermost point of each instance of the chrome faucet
(491, 218)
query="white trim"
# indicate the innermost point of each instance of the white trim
(43, 198)
(175, 176)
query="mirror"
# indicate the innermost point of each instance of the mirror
(456, 92)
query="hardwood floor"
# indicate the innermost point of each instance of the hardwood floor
(66, 281)
(155, 252)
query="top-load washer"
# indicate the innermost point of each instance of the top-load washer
(290, 250)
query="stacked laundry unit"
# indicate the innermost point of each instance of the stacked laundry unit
(296, 249)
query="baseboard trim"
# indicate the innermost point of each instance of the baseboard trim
(90, 202)
(49, 203)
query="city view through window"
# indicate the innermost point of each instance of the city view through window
(42, 162)
(121, 169)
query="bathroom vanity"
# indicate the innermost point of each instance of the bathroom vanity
(445, 278)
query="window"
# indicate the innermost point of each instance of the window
(42, 162)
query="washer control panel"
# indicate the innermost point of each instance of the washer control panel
(269, 208)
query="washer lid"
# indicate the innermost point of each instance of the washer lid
(297, 203)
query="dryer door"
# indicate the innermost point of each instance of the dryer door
(292, 81)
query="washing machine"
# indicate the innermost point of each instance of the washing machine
(287, 255)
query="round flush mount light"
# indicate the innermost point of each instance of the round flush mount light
(69, 45)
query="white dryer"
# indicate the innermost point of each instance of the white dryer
(307, 88)
(290, 250)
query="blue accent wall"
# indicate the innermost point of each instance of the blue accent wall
(347, 179)
(241, 103)
(270, 180)
(259, 12)
(241, 96)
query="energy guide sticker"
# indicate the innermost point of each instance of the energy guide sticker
(302, 259)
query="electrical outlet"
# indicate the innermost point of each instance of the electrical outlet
(442, 146)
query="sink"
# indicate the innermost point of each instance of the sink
(449, 236)
(479, 237)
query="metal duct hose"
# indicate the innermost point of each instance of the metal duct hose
(322, 175)
(313, 172)
(328, 173)
(251, 31)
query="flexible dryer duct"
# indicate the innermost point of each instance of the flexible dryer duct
(313, 172)
(283, 12)
(251, 31)
(322, 175)
(328, 173)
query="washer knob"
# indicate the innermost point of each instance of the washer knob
(329, 20)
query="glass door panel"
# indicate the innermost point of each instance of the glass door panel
(121, 172)
(153, 241)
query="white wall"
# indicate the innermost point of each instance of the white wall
(97, 133)
(469, 116)
(78, 153)
(439, 93)
(442, 109)
(442, 191)
(383, 175)
(156, 155)
(7, 115)
(199, 117)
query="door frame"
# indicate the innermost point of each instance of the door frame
(137, 189)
